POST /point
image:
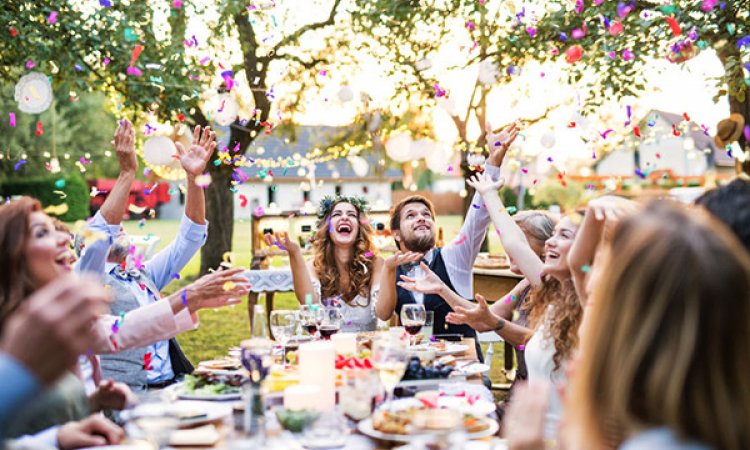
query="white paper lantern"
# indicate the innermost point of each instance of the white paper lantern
(33, 93)
(359, 165)
(489, 72)
(448, 104)
(439, 158)
(421, 148)
(346, 94)
(224, 109)
(548, 140)
(159, 151)
(398, 147)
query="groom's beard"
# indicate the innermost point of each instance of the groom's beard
(420, 244)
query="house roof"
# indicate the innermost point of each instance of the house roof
(303, 139)
(702, 139)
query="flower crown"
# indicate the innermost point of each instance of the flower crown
(327, 203)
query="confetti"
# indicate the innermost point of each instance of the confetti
(62, 194)
(175, 276)
(604, 135)
(57, 210)
(511, 210)
(136, 53)
(226, 259)
(438, 91)
(229, 285)
(52, 18)
(674, 25)
(12, 119)
(105, 3)
(19, 164)
(39, 129)
(675, 131)
(574, 54)
(203, 180)
(243, 201)
(585, 268)
(636, 131)
(461, 239)
(136, 209)
(368, 255)
(147, 361)
(183, 295)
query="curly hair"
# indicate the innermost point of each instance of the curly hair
(360, 266)
(568, 313)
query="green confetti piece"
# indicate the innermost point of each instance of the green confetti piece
(702, 44)
(217, 162)
(585, 268)
(668, 9)
(60, 183)
(730, 28)
(511, 210)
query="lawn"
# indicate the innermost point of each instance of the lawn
(226, 327)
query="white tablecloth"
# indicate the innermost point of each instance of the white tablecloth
(278, 280)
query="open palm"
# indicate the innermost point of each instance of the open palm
(194, 159)
(430, 283)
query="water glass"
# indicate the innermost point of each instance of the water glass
(283, 325)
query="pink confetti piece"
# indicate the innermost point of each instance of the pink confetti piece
(39, 129)
(30, 64)
(461, 239)
(205, 60)
(12, 119)
(52, 18)
(177, 4)
(368, 255)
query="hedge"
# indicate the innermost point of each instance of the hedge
(42, 188)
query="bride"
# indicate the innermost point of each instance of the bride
(345, 269)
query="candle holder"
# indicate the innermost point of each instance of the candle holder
(257, 359)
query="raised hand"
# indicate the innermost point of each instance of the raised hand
(111, 395)
(282, 241)
(217, 289)
(194, 159)
(479, 317)
(499, 142)
(610, 207)
(124, 147)
(94, 431)
(400, 258)
(483, 183)
(429, 284)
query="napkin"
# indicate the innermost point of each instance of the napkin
(201, 436)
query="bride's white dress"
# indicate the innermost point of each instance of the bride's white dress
(359, 314)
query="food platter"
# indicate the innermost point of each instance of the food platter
(365, 427)
(450, 348)
(190, 413)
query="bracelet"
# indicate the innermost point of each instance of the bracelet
(500, 324)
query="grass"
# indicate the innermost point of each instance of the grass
(223, 328)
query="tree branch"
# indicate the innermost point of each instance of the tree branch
(309, 27)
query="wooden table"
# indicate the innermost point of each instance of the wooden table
(494, 283)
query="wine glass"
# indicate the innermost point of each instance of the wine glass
(283, 325)
(389, 359)
(330, 323)
(309, 319)
(413, 317)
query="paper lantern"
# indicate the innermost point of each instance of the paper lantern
(359, 165)
(398, 147)
(346, 94)
(423, 64)
(448, 104)
(421, 148)
(33, 93)
(548, 140)
(488, 72)
(439, 159)
(224, 109)
(159, 151)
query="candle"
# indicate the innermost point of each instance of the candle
(301, 396)
(345, 343)
(317, 367)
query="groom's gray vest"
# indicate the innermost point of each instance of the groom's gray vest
(128, 366)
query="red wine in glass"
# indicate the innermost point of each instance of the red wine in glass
(413, 328)
(311, 328)
(327, 331)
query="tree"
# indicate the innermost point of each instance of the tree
(611, 44)
(141, 55)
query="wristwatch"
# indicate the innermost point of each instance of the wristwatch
(500, 324)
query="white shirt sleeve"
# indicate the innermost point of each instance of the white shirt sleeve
(459, 254)
(46, 439)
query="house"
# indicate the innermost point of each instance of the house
(668, 142)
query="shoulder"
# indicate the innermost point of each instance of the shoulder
(660, 439)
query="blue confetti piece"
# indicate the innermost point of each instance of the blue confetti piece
(184, 297)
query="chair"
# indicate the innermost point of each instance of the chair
(490, 337)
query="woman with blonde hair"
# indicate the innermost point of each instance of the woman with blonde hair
(665, 364)
(345, 269)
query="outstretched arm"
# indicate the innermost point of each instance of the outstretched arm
(303, 286)
(430, 283)
(513, 240)
(599, 211)
(193, 160)
(480, 317)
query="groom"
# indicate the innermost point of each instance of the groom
(413, 228)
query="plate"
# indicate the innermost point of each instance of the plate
(177, 388)
(365, 427)
(450, 349)
(479, 408)
(471, 368)
(209, 412)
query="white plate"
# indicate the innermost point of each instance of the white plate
(450, 349)
(114, 447)
(177, 388)
(210, 411)
(365, 427)
(479, 408)
(495, 444)
(471, 368)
